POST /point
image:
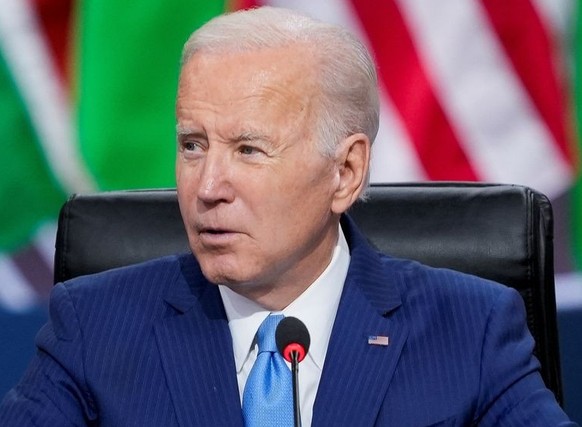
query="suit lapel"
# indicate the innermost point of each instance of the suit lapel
(356, 374)
(196, 347)
(196, 350)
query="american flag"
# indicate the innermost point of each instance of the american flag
(471, 90)
(378, 340)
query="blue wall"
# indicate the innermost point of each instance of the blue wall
(17, 331)
(570, 326)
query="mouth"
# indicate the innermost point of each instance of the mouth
(216, 236)
(213, 231)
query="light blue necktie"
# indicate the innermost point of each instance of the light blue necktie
(268, 394)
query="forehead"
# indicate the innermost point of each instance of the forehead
(281, 78)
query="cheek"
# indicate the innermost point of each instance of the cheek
(186, 179)
(179, 178)
(186, 190)
(312, 187)
(294, 210)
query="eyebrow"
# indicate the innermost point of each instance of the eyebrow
(182, 130)
(248, 136)
(183, 133)
(244, 136)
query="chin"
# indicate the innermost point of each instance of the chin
(235, 281)
(221, 276)
(231, 271)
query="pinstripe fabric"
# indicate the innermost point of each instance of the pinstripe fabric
(149, 345)
(459, 351)
(145, 346)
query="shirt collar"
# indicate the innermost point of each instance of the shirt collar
(316, 307)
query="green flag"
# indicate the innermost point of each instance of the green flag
(124, 62)
(29, 192)
(127, 70)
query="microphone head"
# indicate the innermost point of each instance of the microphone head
(292, 336)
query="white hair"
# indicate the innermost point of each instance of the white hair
(346, 77)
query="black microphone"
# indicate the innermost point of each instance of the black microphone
(292, 338)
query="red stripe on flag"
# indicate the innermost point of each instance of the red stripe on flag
(55, 20)
(529, 48)
(243, 4)
(403, 76)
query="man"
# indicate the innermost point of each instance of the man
(275, 117)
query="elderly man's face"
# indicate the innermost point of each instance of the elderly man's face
(255, 194)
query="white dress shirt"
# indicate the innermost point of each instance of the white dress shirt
(316, 307)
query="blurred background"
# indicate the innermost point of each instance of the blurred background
(472, 90)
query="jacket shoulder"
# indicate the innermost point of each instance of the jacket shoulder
(415, 279)
(136, 289)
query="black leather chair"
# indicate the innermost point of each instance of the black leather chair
(500, 232)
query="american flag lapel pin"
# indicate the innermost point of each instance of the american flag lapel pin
(378, 340)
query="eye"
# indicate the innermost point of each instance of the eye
(190, 146)
(248, 150)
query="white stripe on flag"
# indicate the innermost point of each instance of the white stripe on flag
(560, 14)
(394, 158)
(45, 242)
(569, 291)
(15, 293)
(393, 155)
(497, 124)
(26, 54)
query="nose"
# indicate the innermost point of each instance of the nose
(215, 185)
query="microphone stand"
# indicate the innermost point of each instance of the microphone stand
(292, 338)
(294, 373)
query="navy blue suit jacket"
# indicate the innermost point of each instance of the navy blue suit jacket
(149, 345)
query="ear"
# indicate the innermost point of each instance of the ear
(353, 159)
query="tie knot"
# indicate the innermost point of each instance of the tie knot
(266, 333)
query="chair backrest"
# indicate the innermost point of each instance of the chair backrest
(499, 232)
